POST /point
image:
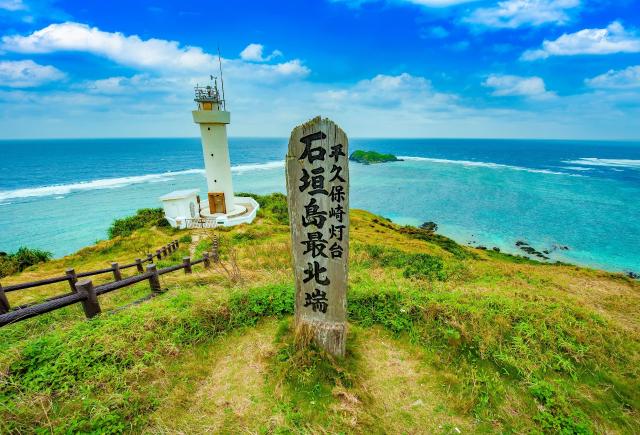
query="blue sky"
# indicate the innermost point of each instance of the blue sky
(380, 68)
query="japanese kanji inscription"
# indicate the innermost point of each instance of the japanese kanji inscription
(317, 168)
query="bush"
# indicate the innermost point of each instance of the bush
(21, 259)
(272, 206)
(421, 266)
(144, 218)
(426, 267)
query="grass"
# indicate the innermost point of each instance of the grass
(442, 339)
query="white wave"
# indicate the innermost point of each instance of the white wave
(257, 166)
(6, 203)
(483, 165)
(114, 183)
(107, 183)
(612, 163)
(577, 168)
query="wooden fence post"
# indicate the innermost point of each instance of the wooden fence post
(205, 256)
(149, 258)
(177, 242)
(172, 247)
(158, 254)
(139, 265)
(90, 303)
(117, 275)
(4, 302)
(154, 280)
(164, 251)
(73, 279)
(186, 262)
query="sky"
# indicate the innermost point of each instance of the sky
(548, 69)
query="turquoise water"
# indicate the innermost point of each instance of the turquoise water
(580, 195)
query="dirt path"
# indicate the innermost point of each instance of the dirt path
(230, 397)
(223, 390)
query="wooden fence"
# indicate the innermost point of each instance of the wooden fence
(79, 293)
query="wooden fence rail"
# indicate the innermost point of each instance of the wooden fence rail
(72, 277)
(86, 294)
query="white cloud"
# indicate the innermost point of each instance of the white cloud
(168, 58)
(126, 50)
(27, 74)
(385, 92)
(510, 86)
(254, 53)
(517, 13)
(136, 84)
(627, 78)
(613, 39)
(12, 5)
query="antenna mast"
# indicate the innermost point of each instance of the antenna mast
(224, 101)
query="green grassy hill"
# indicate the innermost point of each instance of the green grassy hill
(443, 339)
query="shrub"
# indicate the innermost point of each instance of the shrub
(272, 206)
(144, 218)
(425, 266)
(421, 266)
(24, 257)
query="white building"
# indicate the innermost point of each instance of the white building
(184, 208)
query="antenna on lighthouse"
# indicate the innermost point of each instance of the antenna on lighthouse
(224, 102)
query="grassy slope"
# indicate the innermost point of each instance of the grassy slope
(443, 338)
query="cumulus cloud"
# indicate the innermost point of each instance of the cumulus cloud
(510, 86)
(517, 13)
(385, 92)
(254, 53)
(152, 55)
(12, 5)
(27, 74)
(126, 50)
(613, 39)
(627, 78)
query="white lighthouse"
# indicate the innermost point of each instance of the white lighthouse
(185, 209)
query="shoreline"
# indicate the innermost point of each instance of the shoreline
(490, 204)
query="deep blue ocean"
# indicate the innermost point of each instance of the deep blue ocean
(61, 195)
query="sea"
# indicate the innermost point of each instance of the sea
(62, 195)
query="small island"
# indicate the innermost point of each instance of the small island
(371, 157)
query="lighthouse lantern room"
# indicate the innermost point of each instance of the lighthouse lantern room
(221, 206)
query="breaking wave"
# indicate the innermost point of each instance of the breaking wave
(115, 183)
(483, 165)
(611, 163)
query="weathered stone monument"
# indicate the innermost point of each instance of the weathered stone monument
(317, 166)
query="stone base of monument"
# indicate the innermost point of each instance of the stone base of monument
(329, 336)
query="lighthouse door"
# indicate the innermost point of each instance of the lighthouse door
(217, 203)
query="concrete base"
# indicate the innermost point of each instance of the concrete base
(236, 210)
(243, 212)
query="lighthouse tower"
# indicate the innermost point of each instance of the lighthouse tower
(213, 119)
(184, 208)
